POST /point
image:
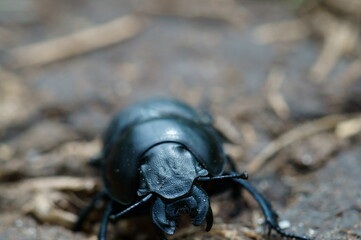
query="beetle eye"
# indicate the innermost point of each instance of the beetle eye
(142, 186)
(144, 159)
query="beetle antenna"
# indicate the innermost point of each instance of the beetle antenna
(243, 175)
(142, 201)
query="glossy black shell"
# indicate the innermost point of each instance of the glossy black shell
(140, 127)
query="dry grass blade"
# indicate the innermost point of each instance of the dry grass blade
(60, 183)
(228, 129)
(15, 106)
(49, 203)
(225, 10)
(352, 7)
(43, 207)
(274, 95)
(348, 128)
(295, 134)
(340, 38)
(282, 32)
(77, 43)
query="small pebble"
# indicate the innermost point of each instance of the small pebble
(284, 224)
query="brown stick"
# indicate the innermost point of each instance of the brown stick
(340, 38)
(349, 127)
(287, 31)
(295, 134)
(60, 183)
(274, 95)
(77, 43)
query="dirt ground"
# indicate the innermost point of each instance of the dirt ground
(282, 79)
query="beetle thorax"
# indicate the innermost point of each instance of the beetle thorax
(169, 170)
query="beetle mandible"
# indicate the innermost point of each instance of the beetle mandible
(162, 153)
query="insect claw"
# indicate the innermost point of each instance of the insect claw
(269, 231)
(283, 233)
(209, 219)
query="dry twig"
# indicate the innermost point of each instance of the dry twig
(43, 207)
(15, 106)
(352, 7)
(46, 204)
(226, 10)
(340, 38)
(295, 134)
(228, 129)
(274, 96)
(349, 127)
(60, 184)
(77, 43)
(282, 32)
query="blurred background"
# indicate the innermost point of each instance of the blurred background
(282, 79)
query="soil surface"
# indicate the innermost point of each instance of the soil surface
(297, 135)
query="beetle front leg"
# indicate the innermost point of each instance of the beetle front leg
(270, 215)
(85, 212)
(105, 220)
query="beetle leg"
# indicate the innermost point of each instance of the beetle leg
(96, 160)
(270, 215)
(203, 205)
(84, 213)
(105, 220)
(161, 234)
(160, 218)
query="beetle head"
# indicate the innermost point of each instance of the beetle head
(169, 170)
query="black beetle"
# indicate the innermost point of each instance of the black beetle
(161, 154)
